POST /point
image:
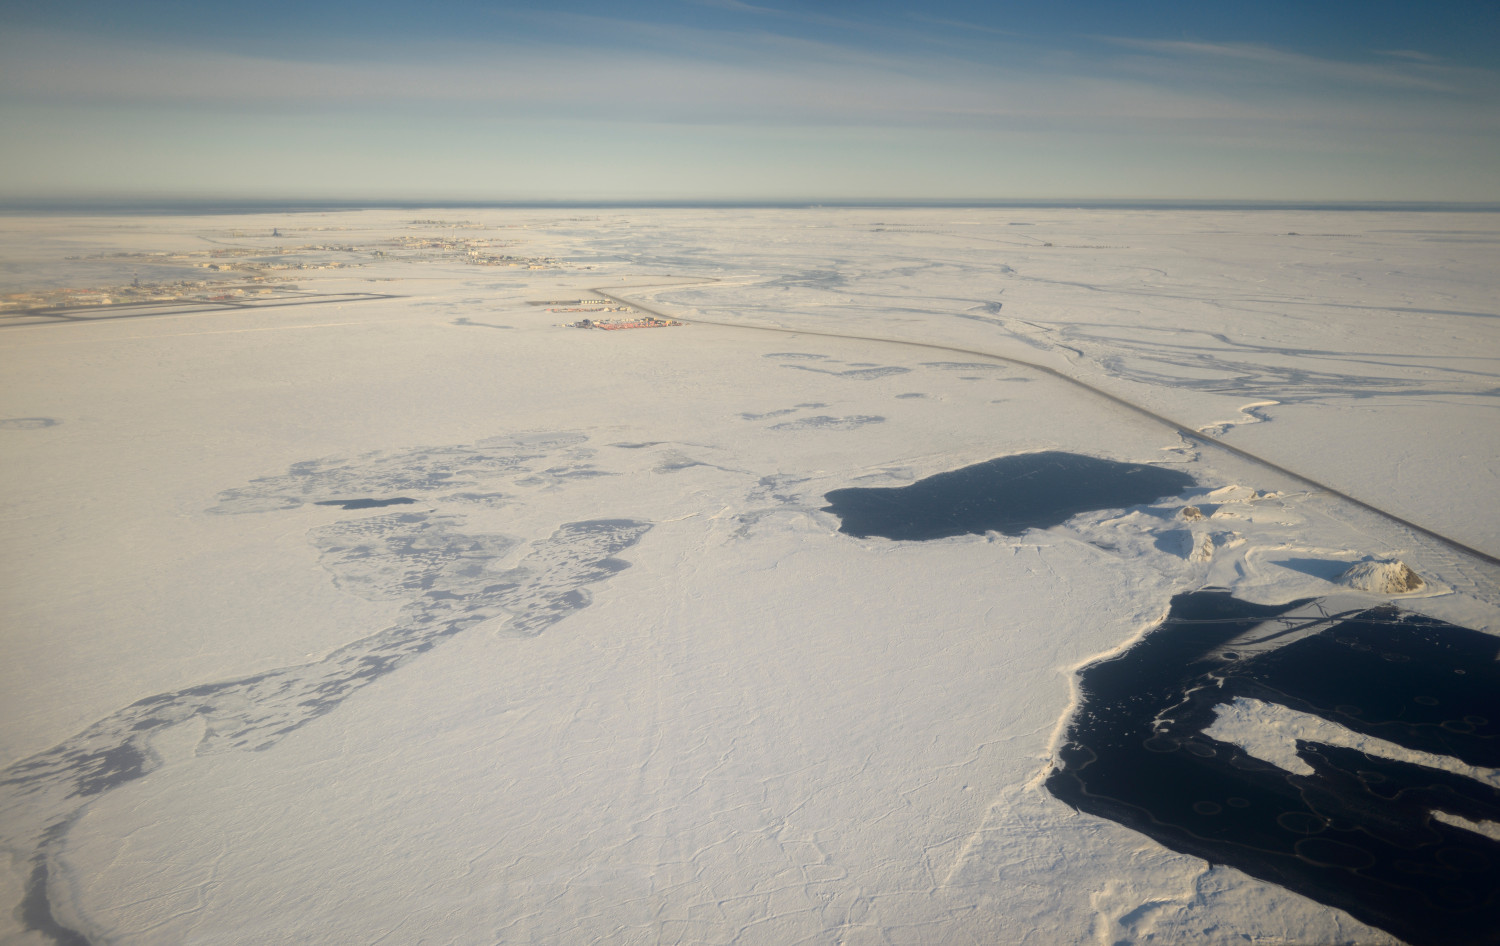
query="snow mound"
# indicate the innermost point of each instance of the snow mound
(1240, 494)
(1207, 543)
(1203, 549)
(1383, 578)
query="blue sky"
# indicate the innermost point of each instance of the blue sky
(731, 99)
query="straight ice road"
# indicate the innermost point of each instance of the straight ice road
(75, 315)
(1189, 433)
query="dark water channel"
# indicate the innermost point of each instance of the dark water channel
(1008, 494)
(366, 503)
(1357, 833)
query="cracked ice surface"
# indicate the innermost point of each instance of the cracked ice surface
(236, 715)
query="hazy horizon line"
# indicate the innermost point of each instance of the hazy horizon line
(109, 206)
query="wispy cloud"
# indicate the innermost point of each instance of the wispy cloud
(1247, 62)
(1413, 55)
(751, 84)
(738, 6)
(764, 79)
(733, 76)
(963, 25)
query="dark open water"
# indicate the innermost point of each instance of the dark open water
(1356, 834)
(1009, 494)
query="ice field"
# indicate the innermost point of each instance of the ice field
(609, 671)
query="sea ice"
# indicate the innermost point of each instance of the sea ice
(334, 620)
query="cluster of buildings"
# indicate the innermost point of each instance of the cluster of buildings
(610, 325)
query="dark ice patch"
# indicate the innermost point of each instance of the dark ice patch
(365, 503)
(105, 768)
(999, 323)
(1324, 568)
(443, 579)
(778, 488)
(550, 478)
(471, 497)
(27, 423)
(577, 472)
(779, 413)
(962, 365)
(36, 910)
(856, 374)
(417, 470)
(465, 321)
(676, 460)
(824, 422)
(1007, 494)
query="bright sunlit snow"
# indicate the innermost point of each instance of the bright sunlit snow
(352, 598)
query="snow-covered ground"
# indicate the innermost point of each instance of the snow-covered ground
(613, 675)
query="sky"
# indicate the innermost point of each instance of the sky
(726, 100)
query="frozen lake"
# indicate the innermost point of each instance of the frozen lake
(1009, 495)
(352, 597)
